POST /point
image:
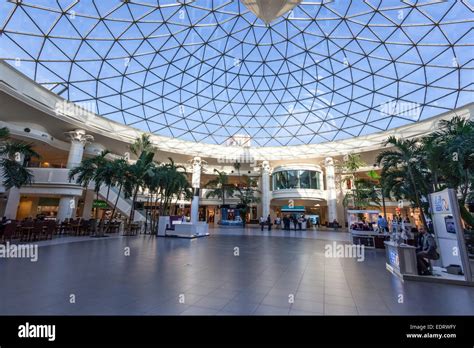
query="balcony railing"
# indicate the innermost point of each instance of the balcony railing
(51, 176)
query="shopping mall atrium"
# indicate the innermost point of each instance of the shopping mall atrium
(236, 157)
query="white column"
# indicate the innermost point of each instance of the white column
(67, 208)
(331, 189)
(13, 201)
(79, 138)
(265, 189)
(13, 197)
(196, 184)
(88, 203)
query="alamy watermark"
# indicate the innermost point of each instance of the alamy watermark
(23, 251)
(241, 158)
(401, 108)
(81, 109)
(354, 251)
(28, 330)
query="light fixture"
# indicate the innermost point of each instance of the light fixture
(269, 10)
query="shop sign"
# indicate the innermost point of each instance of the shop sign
(98, 203)
(441, 202)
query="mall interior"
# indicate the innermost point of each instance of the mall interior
(229, 146)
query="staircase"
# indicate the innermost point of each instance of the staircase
(124, 205)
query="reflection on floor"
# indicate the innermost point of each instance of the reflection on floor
(322, 233)
(226, 274)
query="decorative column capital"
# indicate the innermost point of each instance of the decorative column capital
(197, 162)
(79, 136)
(196, 178)
(328, 161)
(266, 169)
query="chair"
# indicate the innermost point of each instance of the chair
(92, 226)
(84, 227)
(115, 227)
(64, 227)
(26, 229)
(9, 231)
(50, 229)
(37, 231)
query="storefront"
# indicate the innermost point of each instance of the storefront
(31, 206)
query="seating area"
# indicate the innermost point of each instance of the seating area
(31, 230)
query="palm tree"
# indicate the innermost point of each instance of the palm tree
(136, 179)
(174, 183)
(166, 182)
(137, 173)
(154, 183)
(404, 172)
(142, 144)
(119, 169)
(89, 171)
(105, 175)
(363, 188)
(432, 151)
(246, 195)
(12, 163)
(220, 186)
(450, 157)
(457, 136)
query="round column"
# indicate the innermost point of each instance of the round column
(79, 139)
(13, 198)
(265, 188)
(331, 189)
(196, 184)
(67, 208)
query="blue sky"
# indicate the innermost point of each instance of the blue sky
(210, 69)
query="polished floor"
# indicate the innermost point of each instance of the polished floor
(225, 274)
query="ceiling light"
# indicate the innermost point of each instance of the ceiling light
(269, 10)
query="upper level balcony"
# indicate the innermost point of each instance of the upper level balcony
(50, 181)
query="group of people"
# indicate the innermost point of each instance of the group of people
(297, 221)
(287, 220)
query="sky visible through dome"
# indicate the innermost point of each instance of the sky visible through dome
(205, 71)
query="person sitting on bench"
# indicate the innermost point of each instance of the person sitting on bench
(428, 251)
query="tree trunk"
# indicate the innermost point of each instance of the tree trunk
(106, 201)
(115, 207)
(96, 208)
(155, 210)
(132, 211)
(417, 199)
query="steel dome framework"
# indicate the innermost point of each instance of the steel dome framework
(207, 71)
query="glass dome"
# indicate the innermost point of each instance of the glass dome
(210, 71)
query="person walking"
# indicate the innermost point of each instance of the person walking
(382, 224)
(269, 222)
(300, 223)
(262, 223)
(278, 222)
(286, 223)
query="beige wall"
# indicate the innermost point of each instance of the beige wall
(27, 207)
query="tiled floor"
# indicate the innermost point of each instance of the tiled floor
(225, 274)
(322, 233)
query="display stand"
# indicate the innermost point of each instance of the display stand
(400, 259)
(370, 237)
(168, 227)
